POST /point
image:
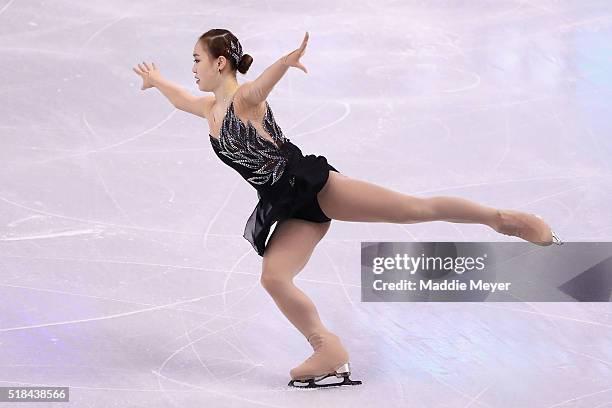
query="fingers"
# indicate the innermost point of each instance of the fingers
(301, 67)
(144, 69)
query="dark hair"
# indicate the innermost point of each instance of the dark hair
(218, 42)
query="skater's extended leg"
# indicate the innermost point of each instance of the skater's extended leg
(348, 199)
(287, 252)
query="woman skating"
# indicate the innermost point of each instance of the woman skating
(302, 194)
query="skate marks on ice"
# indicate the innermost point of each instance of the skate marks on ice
(119, 279)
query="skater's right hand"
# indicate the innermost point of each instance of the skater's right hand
(149, 75)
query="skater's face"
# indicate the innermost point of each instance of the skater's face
(207, 69)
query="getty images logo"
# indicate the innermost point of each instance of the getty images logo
(459, 264)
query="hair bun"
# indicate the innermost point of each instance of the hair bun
(245, 63)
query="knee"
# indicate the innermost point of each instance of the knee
(427, 209)
(272, 282)
(416, 210)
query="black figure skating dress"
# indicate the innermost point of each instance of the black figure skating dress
(287, 182)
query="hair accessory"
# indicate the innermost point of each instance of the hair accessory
(236, 52)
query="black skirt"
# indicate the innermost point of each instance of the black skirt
(294, 195)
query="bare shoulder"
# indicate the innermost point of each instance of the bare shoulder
(207, 104)
(246, 101)
(197, 105)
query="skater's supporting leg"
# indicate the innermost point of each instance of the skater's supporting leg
(287, 252)
(347, 199)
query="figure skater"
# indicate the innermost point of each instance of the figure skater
(302, 194)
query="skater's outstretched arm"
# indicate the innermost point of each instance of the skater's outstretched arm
(257, 91)
(180, 97)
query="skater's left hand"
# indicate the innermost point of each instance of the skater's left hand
(293, 59)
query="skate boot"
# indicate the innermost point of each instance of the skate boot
(330, 358)
(530, 227)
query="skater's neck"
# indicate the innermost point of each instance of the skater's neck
(226, 90)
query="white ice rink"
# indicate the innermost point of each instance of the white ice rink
(123, 271)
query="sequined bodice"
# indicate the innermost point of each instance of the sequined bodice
(241, 147)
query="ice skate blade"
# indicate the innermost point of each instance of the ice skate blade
(343, 371)
(556, 239)
(312, 382)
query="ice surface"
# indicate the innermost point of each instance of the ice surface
(124, 273)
